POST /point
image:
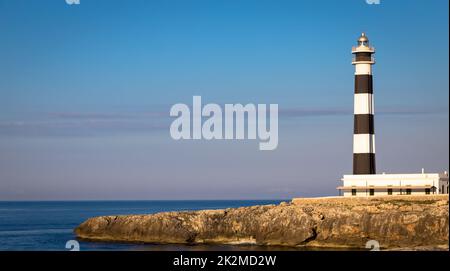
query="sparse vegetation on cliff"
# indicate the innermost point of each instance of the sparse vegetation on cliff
(395, 222)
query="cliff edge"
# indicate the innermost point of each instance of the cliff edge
(394, 221)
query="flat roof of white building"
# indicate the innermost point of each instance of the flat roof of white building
(403, 176)
(393, 181)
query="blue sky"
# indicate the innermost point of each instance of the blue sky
(86, 91)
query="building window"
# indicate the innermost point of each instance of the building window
(390, 191)
(353, 192)
(372, 192)
(408, 191)
(427, 191)
(443, 190)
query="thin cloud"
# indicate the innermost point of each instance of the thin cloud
(314, 112)
(85, 124)
(105, 116)
(329, 111)
(105, 123)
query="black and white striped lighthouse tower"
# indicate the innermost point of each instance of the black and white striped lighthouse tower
(364, 132)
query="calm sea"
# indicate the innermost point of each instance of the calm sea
(49, 225)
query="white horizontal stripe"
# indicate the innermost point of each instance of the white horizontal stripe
(363, 69)
(364, 103)
(363, 143)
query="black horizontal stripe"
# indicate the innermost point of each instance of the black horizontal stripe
(363, 83)
(364, 163)
(364, 124)
(363, 56)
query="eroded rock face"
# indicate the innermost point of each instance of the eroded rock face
(406, 221)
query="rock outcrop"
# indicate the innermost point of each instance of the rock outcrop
(394, 222)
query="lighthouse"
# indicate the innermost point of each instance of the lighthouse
(364, 181)
(364, 132)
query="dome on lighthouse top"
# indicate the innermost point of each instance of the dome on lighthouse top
(363, 40)
(363, 45)
(363, 37)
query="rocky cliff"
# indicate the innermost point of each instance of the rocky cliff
(394, 222)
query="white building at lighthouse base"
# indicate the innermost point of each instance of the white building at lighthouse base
(394, 184)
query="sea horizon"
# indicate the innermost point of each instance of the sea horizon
(48, 225)
(96, 200)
